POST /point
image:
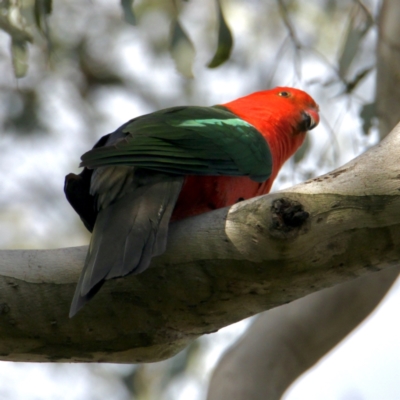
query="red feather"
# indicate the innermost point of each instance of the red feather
(277, 114)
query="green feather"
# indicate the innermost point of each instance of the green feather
(188, 141)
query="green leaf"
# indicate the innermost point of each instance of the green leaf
(127, 7)
(41, 10)
(22, 117)
(351, 85)
(367, 114)
(359, 24)
(225, 41)
(19, 50)
(182, 49)
(16, 27)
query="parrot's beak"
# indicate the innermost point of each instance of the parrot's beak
(310, 119)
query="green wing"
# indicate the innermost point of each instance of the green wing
(187, 141)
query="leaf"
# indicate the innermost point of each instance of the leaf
(351, 85)
(16, 27)
(225, 41)
(303, 150)
(182, 49)
(367, 114)
(41, 10)
(127, 8)
(19, 50)
(22, 118)
(359, 24)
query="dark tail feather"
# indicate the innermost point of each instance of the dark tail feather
(79, 301)
(127, 234)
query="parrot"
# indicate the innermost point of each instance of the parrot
(176, 163)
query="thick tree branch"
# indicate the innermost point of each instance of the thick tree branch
(219, 268)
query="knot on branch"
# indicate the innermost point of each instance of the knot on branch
(288, 216)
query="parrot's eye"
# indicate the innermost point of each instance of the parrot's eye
(284, 94)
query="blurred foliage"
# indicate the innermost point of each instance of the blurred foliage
(19, 50)
(152, 381)
(23, 112)
(41, 10)
(129, 15)
(182, 49)
(24, 20)
(360, 22)
(368, 114)
(225, 41)
(12, 22)
(93, 64)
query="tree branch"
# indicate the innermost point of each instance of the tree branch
(219, 268)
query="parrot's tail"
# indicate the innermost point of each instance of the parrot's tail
(126, 235)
